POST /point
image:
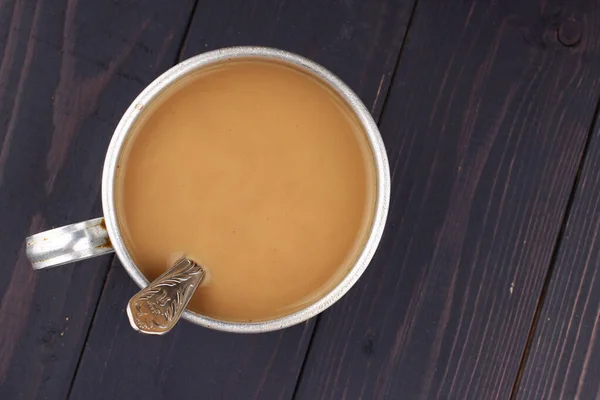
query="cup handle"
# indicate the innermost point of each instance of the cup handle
(68, 244)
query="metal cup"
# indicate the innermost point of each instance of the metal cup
(102, 235)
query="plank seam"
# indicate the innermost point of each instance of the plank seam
(554, 256)
(383, 108)
(92, 321)
(179, 53)
(181, 49)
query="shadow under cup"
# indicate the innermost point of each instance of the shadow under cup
(226, 161)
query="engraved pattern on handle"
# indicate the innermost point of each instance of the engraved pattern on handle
(158, 307)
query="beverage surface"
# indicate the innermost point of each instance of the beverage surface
(261, 174)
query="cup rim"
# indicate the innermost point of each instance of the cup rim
(217, 56)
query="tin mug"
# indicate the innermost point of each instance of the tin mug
(102, 236)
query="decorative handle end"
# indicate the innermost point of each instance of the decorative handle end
(157, 308)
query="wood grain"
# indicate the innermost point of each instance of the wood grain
(357, 41)
(486, 120)
(67, 72)
(564, 357)
(360, 42)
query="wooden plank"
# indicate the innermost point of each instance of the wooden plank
(67, 71)
(189, 362)
(359, 41)
(563, 361)
(486, 121)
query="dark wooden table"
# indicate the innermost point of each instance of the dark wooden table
(486, 282)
